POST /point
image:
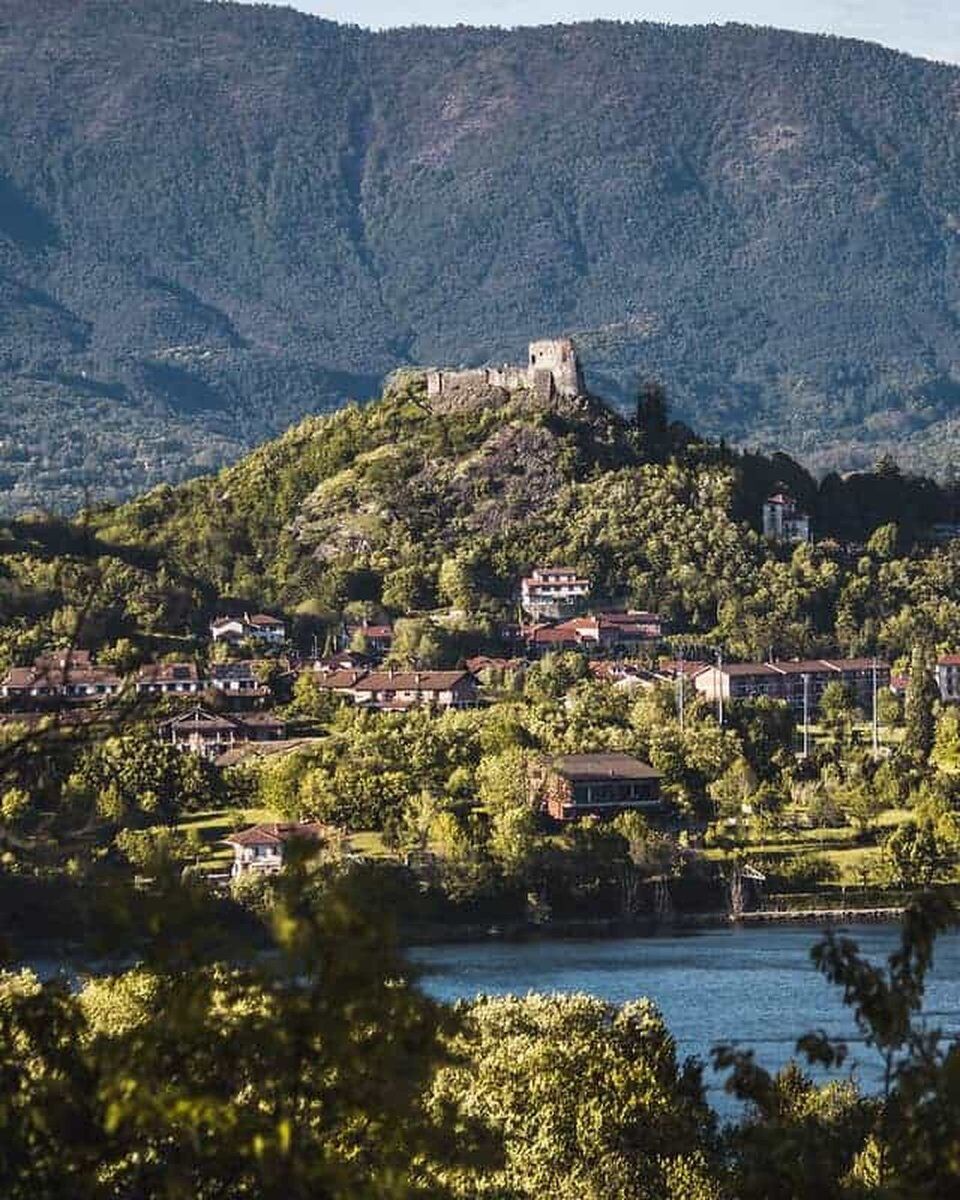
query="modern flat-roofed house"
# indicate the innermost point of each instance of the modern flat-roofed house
(568, 786)
(553, 592)
(948, 677)
(783, 520)
(259, 628)
(169, 679)
(65, 675)
(261, 847)
(410, 689)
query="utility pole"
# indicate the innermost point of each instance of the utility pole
(876, 713)
(681, 681)
(720, 687)
(806, 714)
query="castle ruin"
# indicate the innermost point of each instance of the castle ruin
(552, 370)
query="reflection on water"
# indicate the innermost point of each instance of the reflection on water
(755, 987)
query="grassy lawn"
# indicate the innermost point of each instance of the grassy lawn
(369, 843)
(213, 826)
(840, 846)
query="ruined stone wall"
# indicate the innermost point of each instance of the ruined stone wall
(552, 369)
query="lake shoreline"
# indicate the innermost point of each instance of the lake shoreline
(68, 955)
(575, 929)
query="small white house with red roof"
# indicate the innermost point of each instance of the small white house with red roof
(260, 627)
(261, 848)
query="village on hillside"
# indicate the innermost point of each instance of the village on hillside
(531, 745)
(235, 701)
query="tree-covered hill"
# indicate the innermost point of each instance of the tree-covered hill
(406, 504)
(216, 218)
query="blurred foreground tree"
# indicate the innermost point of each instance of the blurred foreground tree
(300, 1073)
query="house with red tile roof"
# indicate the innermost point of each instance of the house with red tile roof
(261, 627)
(603, 784)
(261, 848)
(169, 679)
(392, 689)
(377, 638)
(68, 675)
(412, 689)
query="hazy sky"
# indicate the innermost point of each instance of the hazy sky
(927, 27)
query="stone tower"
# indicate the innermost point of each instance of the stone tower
(555, 360)
(552, 370)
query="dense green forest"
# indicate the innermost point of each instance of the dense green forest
(216, 218)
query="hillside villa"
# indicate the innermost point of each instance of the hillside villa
(784, 520)
(607, 631)
(376, 638)
(553, 592)
(211, 734)
(169, 679)
(259, 628)
(392, 689)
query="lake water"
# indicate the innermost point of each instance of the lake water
(753, 986)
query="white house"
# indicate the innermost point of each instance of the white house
(67, 674)
(237, 679)
(261, 848)
(258, 628)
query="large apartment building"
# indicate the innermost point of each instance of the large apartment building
(786, 679)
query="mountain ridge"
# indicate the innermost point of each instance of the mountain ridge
(222, 217)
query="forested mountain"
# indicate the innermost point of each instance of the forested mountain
(216, 218)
